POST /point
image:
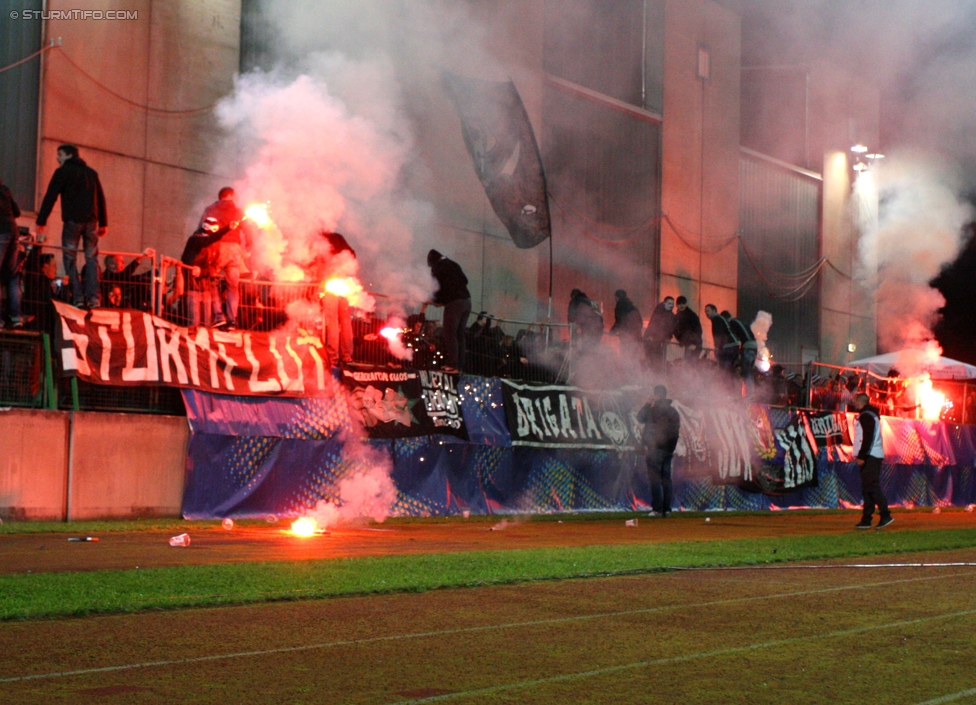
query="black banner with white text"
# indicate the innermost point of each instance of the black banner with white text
(400, 403)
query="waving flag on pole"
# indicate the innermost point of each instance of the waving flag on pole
(502, 145)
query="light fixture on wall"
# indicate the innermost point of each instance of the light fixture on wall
(851, 347)
(863, 159)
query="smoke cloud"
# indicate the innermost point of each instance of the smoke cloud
(319, 166)
(368, 493)
(919, 228)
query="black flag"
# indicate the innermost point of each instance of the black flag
(502, 145)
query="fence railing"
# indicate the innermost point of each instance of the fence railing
(495, 347)
(832, 388)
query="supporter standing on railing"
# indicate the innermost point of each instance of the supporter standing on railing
(748, 349)
(9, 212)
(627, 320)
(84, 217)
(726, 346)
(454, 296)
(228, 257)
(688, 329)
(658, 334)
(584, 314)
(200, 286)
(870, 452)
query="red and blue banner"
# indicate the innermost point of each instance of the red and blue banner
(251, 457)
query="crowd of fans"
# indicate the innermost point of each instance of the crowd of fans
(208, 287)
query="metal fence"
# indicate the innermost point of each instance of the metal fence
(495, 347)
(832, 388)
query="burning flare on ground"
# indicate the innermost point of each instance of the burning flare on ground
(305, 526)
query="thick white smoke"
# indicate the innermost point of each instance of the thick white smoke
(320, 166)
(367, 493)
(760, 328)
(919, 228)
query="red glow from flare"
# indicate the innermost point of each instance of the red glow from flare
(258, 214)
(931, 400)
(343, 287)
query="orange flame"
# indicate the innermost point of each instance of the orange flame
(258, 214)
(931, 400)
(304, 526)
(351, 290)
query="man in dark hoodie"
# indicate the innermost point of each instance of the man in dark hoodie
(454, 296)
(84, 217)
(870, 453)
(628, 323)
(9, 212)
(197, 256)
(658, 334)
(687, 329)
(584, 314)
(662, 425)
(726, 345)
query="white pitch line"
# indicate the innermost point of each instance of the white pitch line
(949, 698)
(687, 657)
(468, 630)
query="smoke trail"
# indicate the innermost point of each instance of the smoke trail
(918, 230)
(368, 493)
(760, 328)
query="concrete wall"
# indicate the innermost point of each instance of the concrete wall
(155, 167)
(123, 465)
(844, 110)
(700, 182)
(33, 464)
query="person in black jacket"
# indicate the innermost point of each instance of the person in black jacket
(726, 345)
(197, 256)
(84, 217)
(584, 314)
(870, 453)
(454, 296)
(658, 333)
(9, 256)
(627, 320)
(662, 426)
(688, 329)
(748, 347)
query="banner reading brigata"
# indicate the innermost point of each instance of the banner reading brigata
(122, 347)
(550, 416)
(399, 403)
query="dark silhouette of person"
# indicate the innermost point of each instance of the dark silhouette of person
(453, 295)
(662, 426)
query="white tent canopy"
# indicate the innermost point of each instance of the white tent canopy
(907, 360)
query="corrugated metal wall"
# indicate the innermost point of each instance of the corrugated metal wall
(779, 225)
(19, 90)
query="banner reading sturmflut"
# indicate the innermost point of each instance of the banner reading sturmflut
(123, 347)
(552, 416)
(399, 403)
